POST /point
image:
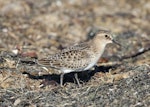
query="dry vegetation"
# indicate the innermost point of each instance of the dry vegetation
(31, 29)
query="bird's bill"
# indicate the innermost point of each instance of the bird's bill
(116, 42)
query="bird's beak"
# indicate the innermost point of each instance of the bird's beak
(116, 42)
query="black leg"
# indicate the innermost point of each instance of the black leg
(76, 77)
(61, 80)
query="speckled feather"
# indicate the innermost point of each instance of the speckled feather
(75, 58)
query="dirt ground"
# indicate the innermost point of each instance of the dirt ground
(33, 29)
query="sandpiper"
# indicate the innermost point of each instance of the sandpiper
(79, 57)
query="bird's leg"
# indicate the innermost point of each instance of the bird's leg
(76, 77)
(61, 79)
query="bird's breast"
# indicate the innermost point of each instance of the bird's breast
(94, 59)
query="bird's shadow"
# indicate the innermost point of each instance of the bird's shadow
(84, 76)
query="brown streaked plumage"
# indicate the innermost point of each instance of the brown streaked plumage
(78, 57)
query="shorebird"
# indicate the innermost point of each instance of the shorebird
(79, 57)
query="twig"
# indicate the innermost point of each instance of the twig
(143, 50)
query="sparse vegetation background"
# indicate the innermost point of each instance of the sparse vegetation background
(31, 29)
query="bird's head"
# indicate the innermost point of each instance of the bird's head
(105, 36)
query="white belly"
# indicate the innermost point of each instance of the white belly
(65, 71)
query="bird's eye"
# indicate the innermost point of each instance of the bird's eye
(106, 36)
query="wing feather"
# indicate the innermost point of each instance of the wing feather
(74, 57)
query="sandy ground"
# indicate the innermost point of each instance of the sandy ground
(32, 29)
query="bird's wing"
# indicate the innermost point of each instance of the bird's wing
(74, 57)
